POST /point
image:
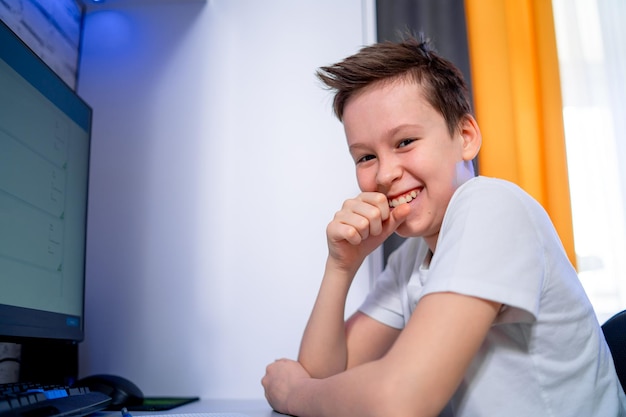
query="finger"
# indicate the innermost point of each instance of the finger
(377, 200)
(339, 231)
(397, 217)
(366, 215)
(360, 222)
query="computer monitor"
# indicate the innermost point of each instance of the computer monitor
(45, 134)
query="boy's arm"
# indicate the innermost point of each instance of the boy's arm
(329, 345)
(367, 339)
(323, 349)
(416, 377)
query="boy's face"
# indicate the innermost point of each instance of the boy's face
(402, 148)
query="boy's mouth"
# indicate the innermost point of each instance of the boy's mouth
(404, 198)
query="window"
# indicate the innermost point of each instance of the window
(591, 44)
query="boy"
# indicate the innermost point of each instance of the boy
(479, 312)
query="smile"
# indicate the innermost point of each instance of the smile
(404, 198)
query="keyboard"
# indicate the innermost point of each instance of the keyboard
(34, 400)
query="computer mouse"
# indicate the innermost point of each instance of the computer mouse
(123, 392)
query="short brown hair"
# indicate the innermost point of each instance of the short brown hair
(444, 86)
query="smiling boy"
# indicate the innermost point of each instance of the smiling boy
(479, 312)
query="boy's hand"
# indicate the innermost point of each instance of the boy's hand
(362, 224)
(280, 377)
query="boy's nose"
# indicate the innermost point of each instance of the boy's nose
(388, 172)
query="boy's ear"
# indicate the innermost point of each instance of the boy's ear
(472, 138)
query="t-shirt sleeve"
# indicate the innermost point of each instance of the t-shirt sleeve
(490, 246)
(385, 301)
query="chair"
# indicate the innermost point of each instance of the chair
(614, 330)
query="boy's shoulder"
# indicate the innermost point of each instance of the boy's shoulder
(496, 196)
(491, 183)
(491, 188)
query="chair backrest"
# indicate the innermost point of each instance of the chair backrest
(614, 330)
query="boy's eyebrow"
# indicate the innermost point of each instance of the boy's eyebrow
(357, 147)
(401, 127)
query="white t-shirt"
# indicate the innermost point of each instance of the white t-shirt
(545, 355)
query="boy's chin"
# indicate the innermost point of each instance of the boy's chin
(410, 229)
(405, 232)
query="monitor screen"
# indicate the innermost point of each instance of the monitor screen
(44, 165)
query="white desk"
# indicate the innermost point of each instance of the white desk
(249, 408)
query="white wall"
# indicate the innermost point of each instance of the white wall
(216, 165)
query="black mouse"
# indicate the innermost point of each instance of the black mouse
(123, 392)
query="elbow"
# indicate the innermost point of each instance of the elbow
(320, 370)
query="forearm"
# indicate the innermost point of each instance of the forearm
(329, 397)
(323, 350)
(364, 391)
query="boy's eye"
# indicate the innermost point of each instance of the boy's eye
(406, 142)
(365, 158)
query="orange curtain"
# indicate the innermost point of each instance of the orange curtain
(517, 100)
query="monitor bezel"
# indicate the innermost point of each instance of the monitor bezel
(25, 325)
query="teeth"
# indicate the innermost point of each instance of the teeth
(403, 199)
